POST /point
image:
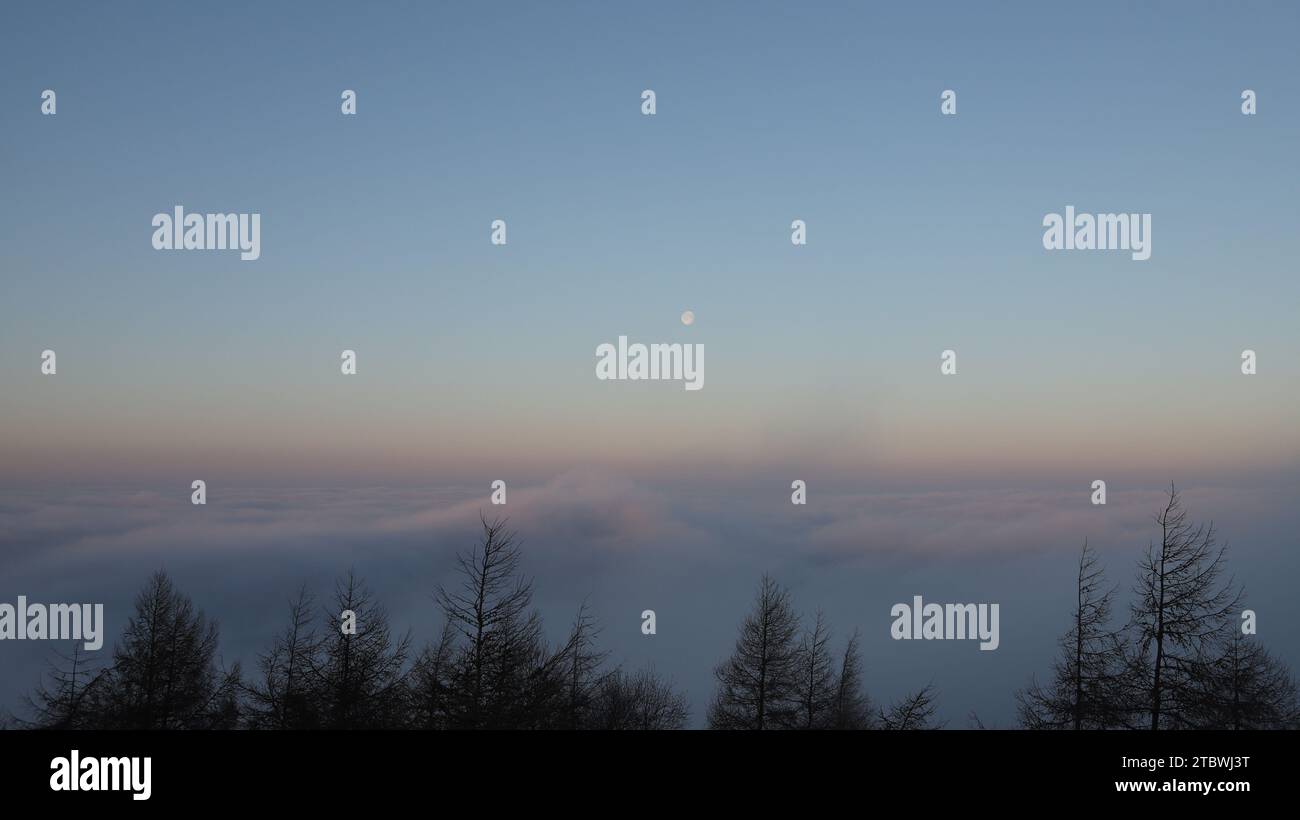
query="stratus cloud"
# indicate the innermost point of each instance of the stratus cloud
(587, 515)
(574, 512)
(595, 507)
(976, 523)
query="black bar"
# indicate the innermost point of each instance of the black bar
(333, 770)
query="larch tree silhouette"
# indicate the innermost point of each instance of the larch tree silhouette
(1180, 610)
(359, 676)
(1090, 674)
(912, 712)
(757, 685)
(582, 675)
(69, 700)
(284, 696)
(1179, 663)
(164, 673)
(782, 676)
(640, 700)
(851, 707)
(502, 673)
(815, 679)
(430, 689)
(1242, 686)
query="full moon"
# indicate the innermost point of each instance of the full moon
(688, 317)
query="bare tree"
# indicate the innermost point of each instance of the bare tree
(851, 708)
(68, 702)
(915, 711)
(1090, 671)
(164, 673)
(582, 669)
(359, 678)
(815, 685)
(1181, 609)
(641, 701)
(431, 689)
(504, 674)
(489, 603)
(1242, 686)
(282, 698)
(757, 684)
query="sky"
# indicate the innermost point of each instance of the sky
(476, 361)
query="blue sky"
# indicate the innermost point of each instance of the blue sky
(924, 231)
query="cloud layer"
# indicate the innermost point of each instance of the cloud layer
(691, 553)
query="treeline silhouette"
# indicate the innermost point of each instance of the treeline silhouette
(491, 667)
(782, 674)
(1179, 661)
